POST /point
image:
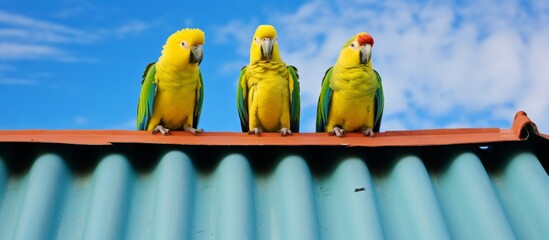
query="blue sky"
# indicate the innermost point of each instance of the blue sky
(77, 64)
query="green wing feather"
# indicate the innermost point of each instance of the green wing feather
(295, 100)
(146, 98)
(241, 101)
(324, 99)
(379, 104)
(199, 100)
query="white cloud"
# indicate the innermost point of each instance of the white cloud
(78, 8)
(442, 64)
(80, 120)
(132, 27)
(534, 97)
(13, 81)
(126, 125)
(5, 67)
(70, 12)
(17, 51)
(26, 38)
(130, 124)
(307, 125)
(23, 28)
(237, 32)
(23, 37)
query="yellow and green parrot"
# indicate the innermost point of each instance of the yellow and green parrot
(351, 97)
(172, 91)
(268, 89)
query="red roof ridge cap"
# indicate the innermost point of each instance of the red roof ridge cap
(522, 124)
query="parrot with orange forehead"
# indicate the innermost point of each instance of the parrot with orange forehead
(172, 91)
(268, 89)
(351, 97)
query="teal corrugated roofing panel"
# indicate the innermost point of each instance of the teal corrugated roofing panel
(130, 190)
(173, 192)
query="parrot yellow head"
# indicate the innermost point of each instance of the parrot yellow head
(184, 47)
(357, 51)
(264, 44)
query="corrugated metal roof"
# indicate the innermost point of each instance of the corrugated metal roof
(128, 185)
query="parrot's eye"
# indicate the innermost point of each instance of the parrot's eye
(184, 44)
(352, 45)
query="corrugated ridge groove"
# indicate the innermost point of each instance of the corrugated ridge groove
(3, 181)
(470, 205)
(144, 197)
(408, 204)
(43, 199)
(523, 188)
(173, 205)
(75, 207)
(347, 203)
(236, 205)
(109, 206)
(294, 206)
(204, 205)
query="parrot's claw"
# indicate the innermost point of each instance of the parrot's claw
(255, 131)
(194, 131)
(337, 131)
(161, 129)
(284, 132)
(369, 132)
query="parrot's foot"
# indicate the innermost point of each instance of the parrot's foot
(255, 131)
(161, 129)
(194, 131)
(337, 131)
(284, 132)
(369, 132)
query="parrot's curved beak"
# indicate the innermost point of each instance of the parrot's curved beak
(196, 54)
(267, 48)
(365, 54)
